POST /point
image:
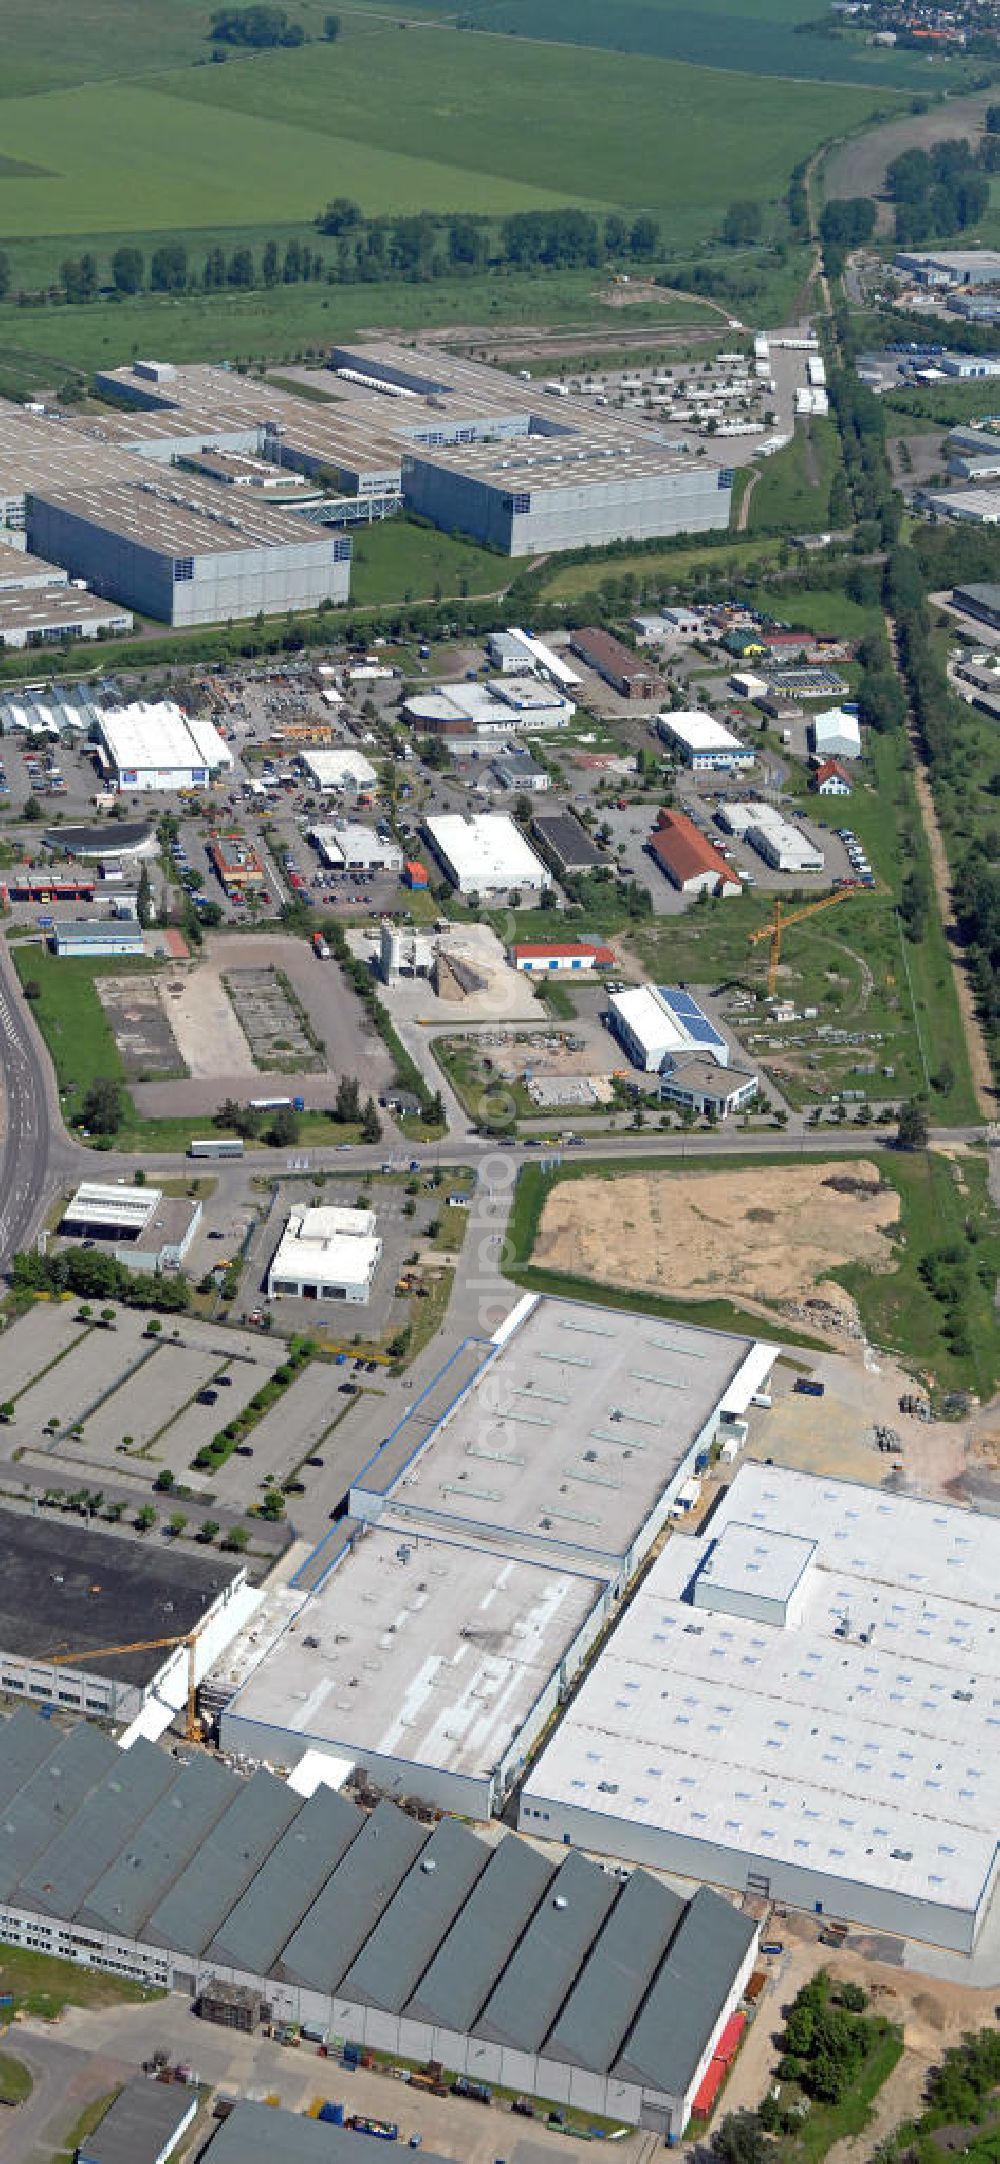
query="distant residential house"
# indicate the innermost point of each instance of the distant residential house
(832, 779)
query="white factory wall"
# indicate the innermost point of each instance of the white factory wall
(881, 1908)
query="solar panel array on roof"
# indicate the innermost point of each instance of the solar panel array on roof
(694, 1022)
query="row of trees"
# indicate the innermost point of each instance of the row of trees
(257, 28)
(91, 1275)
(422, 246)
(281, 1127)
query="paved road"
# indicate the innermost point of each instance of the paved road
(29, 1145)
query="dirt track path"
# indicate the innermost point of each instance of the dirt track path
(979, 1061)
(744, 517)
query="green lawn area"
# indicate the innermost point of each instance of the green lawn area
(793, 492)
(947, 1211)
(42, 1985)
(15, 2080)
(826, 610)
(650, 566)
(401, 561)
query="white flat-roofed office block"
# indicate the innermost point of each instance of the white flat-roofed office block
(486, 854)
(804, 1703)
(348, 845)
(326, 1254)
(347, 770)
(704, 742)
(159, 747)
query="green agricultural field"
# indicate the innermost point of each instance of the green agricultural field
(186, 158)
(760, 36)
(600, 128)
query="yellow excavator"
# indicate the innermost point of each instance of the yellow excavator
(779, 924)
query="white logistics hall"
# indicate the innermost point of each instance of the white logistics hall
(486, 854)
(326, 1254)
(159, 747)
(802, 1704)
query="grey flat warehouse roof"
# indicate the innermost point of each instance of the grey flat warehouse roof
(522, 2009)
(288, 1883)
(57, 1882)
(64, 1591)
(222, 1868)
(144, 2120)
(393, 1959)
(482, 1939)
(353, 1899)
(257, 2134)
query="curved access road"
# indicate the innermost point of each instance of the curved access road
(34, 1147)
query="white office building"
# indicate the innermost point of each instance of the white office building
(326, 1254)
(704, 743)
(159, 747)
(347, 771)
(783, 846)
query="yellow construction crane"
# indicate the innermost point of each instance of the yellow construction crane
(778, 926)
(189, 1639)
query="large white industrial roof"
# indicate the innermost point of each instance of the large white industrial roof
(569, 1436)
(859, 1742)
(486, 850)
(419, 1649)
(161, 736)
(701, 732)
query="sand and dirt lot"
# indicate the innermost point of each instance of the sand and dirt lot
(761, 1235)
(201, 1016)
